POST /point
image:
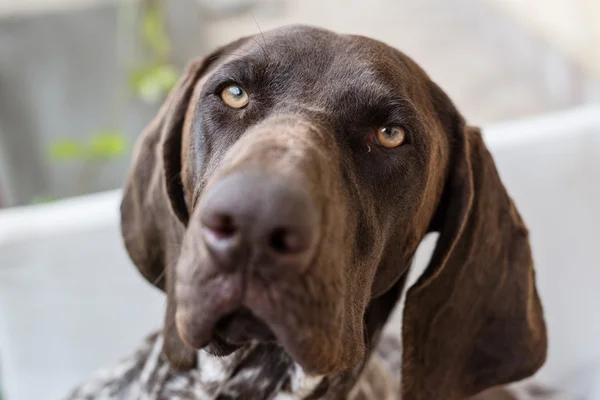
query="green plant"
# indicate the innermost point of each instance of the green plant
(149, 80)
(152, 82)
(100, 146)
(97, 148)
(154, 78)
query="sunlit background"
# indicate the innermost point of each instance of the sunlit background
(79, 79)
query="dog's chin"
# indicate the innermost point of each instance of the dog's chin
(231, 332)
(242, 327)
(227, 333)
(239, 328)
(222, 322)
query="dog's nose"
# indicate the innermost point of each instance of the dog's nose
(259, 218)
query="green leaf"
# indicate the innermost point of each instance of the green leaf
(153, 31)
(66, 150)
(105, 145)
(166, 75)
(152, 83)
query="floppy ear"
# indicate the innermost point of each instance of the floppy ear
(474, 319)
(154, 185)
(154, 212)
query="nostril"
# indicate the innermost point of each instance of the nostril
(287, 241)
(222, 226)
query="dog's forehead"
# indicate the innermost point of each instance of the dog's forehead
(320, 55)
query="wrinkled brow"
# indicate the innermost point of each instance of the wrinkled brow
(241, 71)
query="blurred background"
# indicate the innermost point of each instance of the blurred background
(79, 79)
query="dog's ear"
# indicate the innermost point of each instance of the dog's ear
(473, 320)
(147, 220)
(154, 211)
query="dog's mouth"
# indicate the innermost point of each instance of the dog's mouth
(226, 317)
(242, 326)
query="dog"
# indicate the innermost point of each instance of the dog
(279, 196)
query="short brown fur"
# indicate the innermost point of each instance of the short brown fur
(471, 322)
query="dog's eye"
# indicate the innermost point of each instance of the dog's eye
(391, 136)
(234, 96)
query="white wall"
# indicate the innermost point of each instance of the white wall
(572, 25)
(551, 167)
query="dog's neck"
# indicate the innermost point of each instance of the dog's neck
(257, 371)
(254, 371)
(266, 371)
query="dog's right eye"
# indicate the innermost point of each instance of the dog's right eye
(391, 136)
(234, 96)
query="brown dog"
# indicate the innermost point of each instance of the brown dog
(282, 191)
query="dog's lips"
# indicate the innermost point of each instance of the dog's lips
(313, 343)
(234, 315)
(217, 310)
(242, 326)
(196, 318)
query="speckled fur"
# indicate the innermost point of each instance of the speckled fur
(253, 372)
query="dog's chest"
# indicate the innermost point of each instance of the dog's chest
(254, 372)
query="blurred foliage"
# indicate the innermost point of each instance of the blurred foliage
(153, 30)
(153, 80)
(65, 149)
(107, 145)
(149, 80)
(100, 146)
(43, 200)
(151, 83)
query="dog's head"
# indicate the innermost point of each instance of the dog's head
(287, 182)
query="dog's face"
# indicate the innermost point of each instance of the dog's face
(306, 167)
(312, 140)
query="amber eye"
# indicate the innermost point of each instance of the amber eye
(391, 136)
(234, 96)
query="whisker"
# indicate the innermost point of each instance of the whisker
(260, 30)
(239, 54)
(159, 278)
(261, 46)
(263, 38)
(174, 178)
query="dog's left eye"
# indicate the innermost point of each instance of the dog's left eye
(391, 136)
(234, 96)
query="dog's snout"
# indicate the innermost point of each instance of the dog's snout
(261, 217)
